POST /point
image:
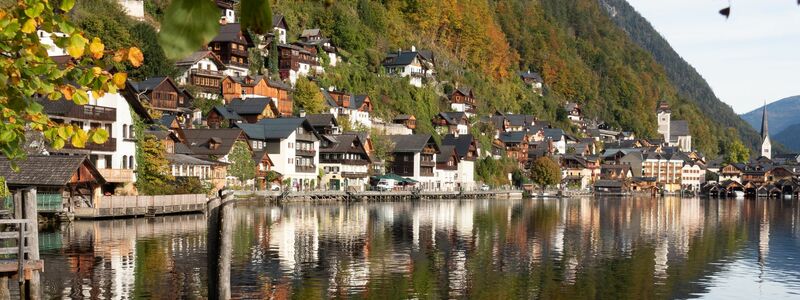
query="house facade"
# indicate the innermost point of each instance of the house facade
(412, 64)
(466, 148)
(295, 61)
(204, 70)
(665, 168)
(344, 161)
(414, 157)
(231, 45)
(258, 86)
(463, 100)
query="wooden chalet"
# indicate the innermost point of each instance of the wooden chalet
(231, 46)
(408, 121)
(512, 144)
(464, 96)
(164, 95)
(237, 87)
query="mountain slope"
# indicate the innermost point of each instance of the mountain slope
(581, 53)
(782, 114)
(789, 137)
(689, 83)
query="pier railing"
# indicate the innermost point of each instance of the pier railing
(118, 206)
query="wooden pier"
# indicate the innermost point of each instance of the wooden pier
(375, 196)
(132, 206)
(20, 251)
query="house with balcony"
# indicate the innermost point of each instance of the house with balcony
(213, 145)
(183, 164)
(313, 41)
(414, 156)
(409, 121)
(344, 161)
(463, 100)
(114, 159)
(295, 61)
(292, 145)
(534, 81)
(249, 110)
(513, 145)
(451, 123)
(258, 86)
(324, 123)
(231, 46)
(467, 150)
(579, 172)
(164, 95)
(412, 64)
(666, 168)
(446, 172)
(203, 70)
(355, 108)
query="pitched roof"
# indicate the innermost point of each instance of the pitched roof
(531, 75)
(452, 118)
(42, 170)
(403, 58)
(250, 106)
(403, 117)
(357, 100)
(177, 158)
(199, 55)
(341, 143)
(226, 113)
(608, 183)
(466, 91)
(512, 137)
(277, 19)
(321, 120)
(445, 152)
(230, 33)
(461, 143)
(310, 32)
(519, 119)
(279, 128)
(678, 128)
(411, 142)
(149, 84)
(198, 140)
(554, 133)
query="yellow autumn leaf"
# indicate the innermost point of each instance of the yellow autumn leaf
(119, 79)
(120, 55)
(80, 97)
(80, 138)
(68, 91)
(97, 71)
(96, 48)
(76, 45)
(135, 57)
(29, 26)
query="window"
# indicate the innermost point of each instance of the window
(107, 159)
(291, 145)
(124, 132)
(130, 162)
(291, 160)
(124, 162)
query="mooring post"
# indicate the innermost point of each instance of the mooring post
(212, 245)
(226, 248)
(34, 288)
(220, 222)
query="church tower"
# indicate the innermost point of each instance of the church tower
(766, 145)
(663, 114)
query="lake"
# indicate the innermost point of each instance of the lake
(610, 248)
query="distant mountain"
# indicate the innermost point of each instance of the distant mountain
(789, 137)
(782, 114)
(689, 83)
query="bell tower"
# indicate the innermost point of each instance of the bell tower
(766, 144)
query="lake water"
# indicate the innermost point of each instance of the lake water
(615, 248)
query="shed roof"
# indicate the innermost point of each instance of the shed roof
(43, 170)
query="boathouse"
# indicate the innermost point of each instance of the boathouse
(62, 182)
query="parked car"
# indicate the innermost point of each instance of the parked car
(484, 188)
(386, 184)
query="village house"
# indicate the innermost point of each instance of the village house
(451, 123)
(258, 86)
(574, 113)
(533, 80)
(227, 8)
(414, 157)
(62, 182)
(114, 159)
(412, 64)
(579, 172)
(446, 171)
(203, 70)
(183, 164)
(616, 172)
(463, 100)
(557, 138)
(732, 172)
(693, 175)
(512, 145)
(409, 121)
(249, 110)
(345, 161)
(324, 123)
(295, 61)
(214, 145)
(466, 148)
(355, 108)
(666, 168)
(279, 28)
(231, 45)
(264, 165)
(163, 95)
(313, 41)
(292, 144)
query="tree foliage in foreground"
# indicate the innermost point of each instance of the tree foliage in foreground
(27, 73)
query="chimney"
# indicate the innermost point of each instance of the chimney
(413, 48)
(302, 113)
(223, 20)
(331, 88)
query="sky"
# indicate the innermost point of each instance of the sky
(750, 58)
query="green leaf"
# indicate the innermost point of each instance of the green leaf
(7, 135)
(79, 139)
(188, 25)
(66, 5)
(58, 144)
(34, 10)
(80, 97)
(62, 132)
(100, 136)
(256, 15)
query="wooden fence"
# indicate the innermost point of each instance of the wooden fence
(123, 206)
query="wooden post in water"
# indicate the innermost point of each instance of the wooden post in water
(212, 246)
(220, 216)
(226, 248)
(29, 210)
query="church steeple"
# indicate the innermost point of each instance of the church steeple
(764, 123)
(766, 144)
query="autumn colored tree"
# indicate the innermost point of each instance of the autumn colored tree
(242, 166)
(28, 74)
(153, 176)
(545, 172)
(308, 97)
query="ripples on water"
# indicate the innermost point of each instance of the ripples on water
(493, 249)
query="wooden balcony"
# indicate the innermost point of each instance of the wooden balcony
(305, 137)
(109, 146)
(427, 163)
(305, 169)
(350, 162)
(92, 112)
(207, 73)
(305, 152)
(117, 175)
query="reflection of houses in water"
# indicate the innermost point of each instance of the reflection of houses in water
(102, 257)
(763, 238)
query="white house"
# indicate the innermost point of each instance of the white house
(558, 139)
(356, 108)
(412, 64)
(466, 148)
(292, 145)
(226, 7)
(133, 8)
(46, 39)
(279, 28)
(344, 161)
(693, 175)
(204, 70)
(446, 172)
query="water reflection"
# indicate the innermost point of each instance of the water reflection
(564, 249)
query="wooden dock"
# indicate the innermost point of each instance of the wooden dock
(375, 196)
(132, 206)
(20, 251)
